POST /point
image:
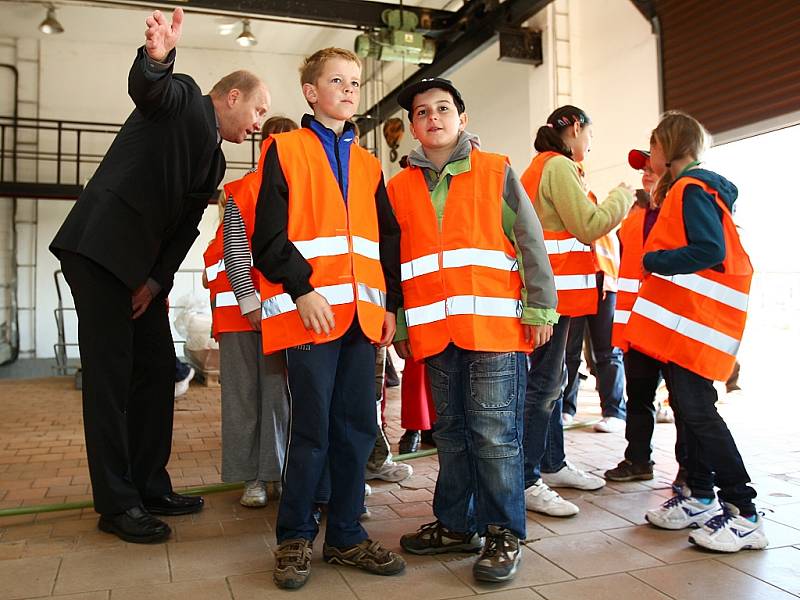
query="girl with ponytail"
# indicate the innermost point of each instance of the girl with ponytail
(690, 315)
(574, 224)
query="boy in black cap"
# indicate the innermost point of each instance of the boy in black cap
(467, 231)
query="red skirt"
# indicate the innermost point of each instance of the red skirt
(417, 410)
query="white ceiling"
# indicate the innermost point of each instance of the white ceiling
(126, 26)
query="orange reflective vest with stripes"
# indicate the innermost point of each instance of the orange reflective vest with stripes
(606, 251)
(226, 316)
(694, 320)
(631, 235)
(339, 241)
(573, 262)
(460, 280)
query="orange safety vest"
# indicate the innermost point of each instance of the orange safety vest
(573, 262)
(461, 283)
(339, 241)
(226, 316)
(631, 235)
(694, 320)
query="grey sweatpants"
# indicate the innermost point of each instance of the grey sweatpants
(255, 408)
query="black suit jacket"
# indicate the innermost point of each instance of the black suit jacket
(139, 213)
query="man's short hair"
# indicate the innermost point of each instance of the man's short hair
(242, 80)
(313, 65)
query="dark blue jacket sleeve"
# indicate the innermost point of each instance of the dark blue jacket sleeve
(702, 219)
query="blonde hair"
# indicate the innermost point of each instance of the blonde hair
(222, 200)
(312, 66)
(679, 136)
(242, 80)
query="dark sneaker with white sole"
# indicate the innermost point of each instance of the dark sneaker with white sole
(435, 538)
(292, 564)
(629, 471)
(500, 558)
(368, 555)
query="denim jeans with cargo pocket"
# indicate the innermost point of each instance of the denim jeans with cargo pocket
(479, 398)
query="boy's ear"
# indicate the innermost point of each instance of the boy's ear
(310, 92)
(462, 121)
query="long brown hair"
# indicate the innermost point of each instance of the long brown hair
(679, 136)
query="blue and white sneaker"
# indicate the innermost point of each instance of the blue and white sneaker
(681, 511)
(731, 532)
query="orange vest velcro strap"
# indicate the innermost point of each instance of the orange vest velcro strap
(338, 239)
(460, 277)
(213, 270)
(695, 320)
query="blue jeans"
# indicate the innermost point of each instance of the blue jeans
(332, 430)
(478, 398)
(609, 369)
(547, 378)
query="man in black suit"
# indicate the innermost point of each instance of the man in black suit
(120, 247)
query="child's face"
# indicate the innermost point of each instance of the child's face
(435, 121)
(649, 178)
(337, 91)
(579, 139)
(658, 162)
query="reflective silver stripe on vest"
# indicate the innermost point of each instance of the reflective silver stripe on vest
(366, 247)
(371, 295)
(213, 271)
(225, 299)
(282, 303)
(564, 246)
(464, 305)
(322, 246)
(419, 266)
(691, 329)
(622, 316)
(575, 282)
(468, 257)
(627, 284)
(710, 289)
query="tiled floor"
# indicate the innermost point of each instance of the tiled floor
(225, 552)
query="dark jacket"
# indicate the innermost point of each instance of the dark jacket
(702, 221)
(139, 213)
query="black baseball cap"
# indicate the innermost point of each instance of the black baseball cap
(638, 159)
(406, 96)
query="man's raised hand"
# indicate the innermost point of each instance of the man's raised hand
(161, 36)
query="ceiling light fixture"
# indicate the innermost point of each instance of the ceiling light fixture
(246, 39)
(50, 25)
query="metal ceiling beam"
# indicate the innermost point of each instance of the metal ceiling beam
(479, 32)
(360, 14)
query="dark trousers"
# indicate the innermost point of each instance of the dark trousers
(128, 387)
(711, 453)
(608, 359)
(332, 422)
(543, 436)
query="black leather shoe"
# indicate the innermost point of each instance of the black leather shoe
(135, 525)
(173, 504)
(409, 442)
(426, 437)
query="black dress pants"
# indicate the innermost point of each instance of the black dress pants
(128, 387)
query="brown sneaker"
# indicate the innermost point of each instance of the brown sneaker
(628, 471)
(500, 557)
(292, 563)
(435, 538)
(367, 555)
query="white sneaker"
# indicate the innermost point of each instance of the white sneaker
(731, 532)
(664, 414)
(540, 498)
(680, 512)
(182, 386)
(566, 419)
(571, 476)
(255, 494)
(391, 471)
(367, 490)
(609, 425)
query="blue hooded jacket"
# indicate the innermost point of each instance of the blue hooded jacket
(702, 220)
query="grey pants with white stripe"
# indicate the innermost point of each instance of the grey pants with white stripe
(255, 409)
